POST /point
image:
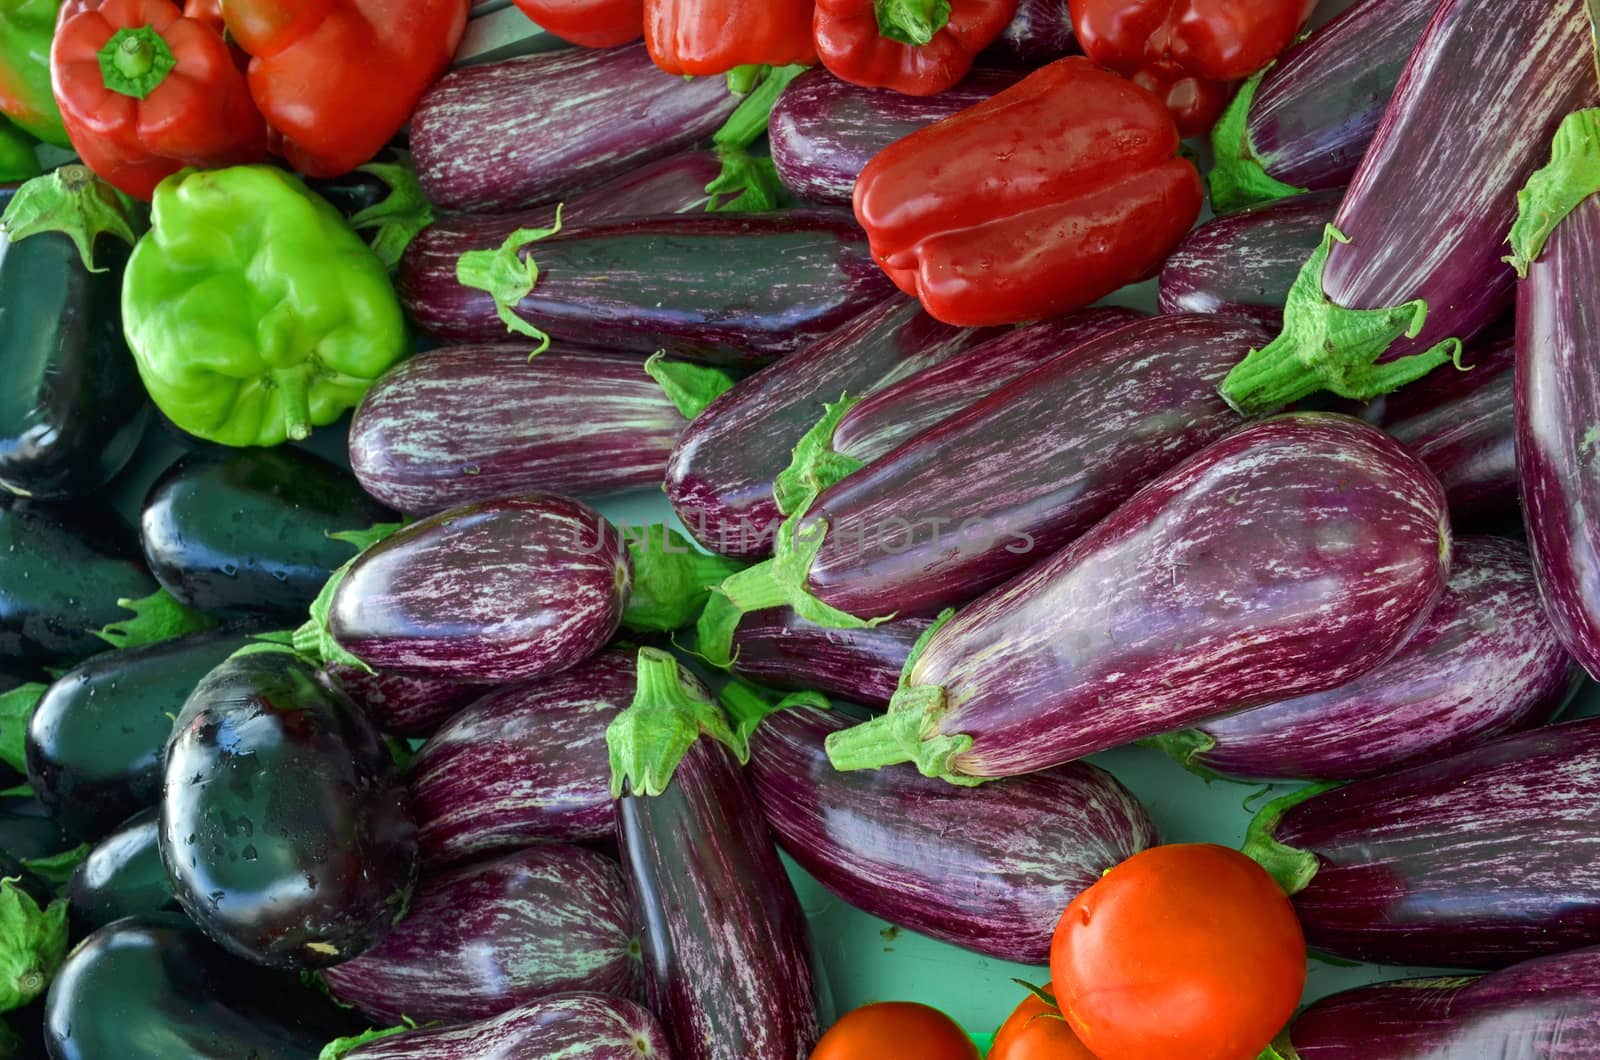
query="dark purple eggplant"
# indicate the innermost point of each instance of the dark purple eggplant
(1478, 860)
(989, 868)
(99, 734)
(578, 1026)
(122, 876)
(1411, 266)
(726, 957)
(1040, 32)
(721, 475)
(1485, 663)
(405, 706)
(777, 647)
(740, 289)
(1292, 556)
(285, 827)
(475, 423)
(984, 495)
(524, 764)
(1245, 263)
(488, 937)
(152, 987)
(504, 135)
(1396, 1019)
(824, 130)
(1304, 123)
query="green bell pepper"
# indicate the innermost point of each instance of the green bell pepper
(252, 309)
(17, 160)
(26, 29)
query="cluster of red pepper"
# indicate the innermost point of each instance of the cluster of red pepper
(147, 88)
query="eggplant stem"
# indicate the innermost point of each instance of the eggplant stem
(1553, 192)
(672, 580)
(816, 466)
(648, 739)
(1291, 867)
(1239, 179)
(690, 387)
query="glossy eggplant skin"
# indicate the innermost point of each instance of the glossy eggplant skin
(724, 288)
(485, 938)
(824, 130)
(493, 592)
(1404, 1017)
(285, 828)
(583, 1026)
(720, 476)
(1478, 860)
(525, 764)
(122, 876)
(28, 832)
(243, 533)
(413, 707)
(98, 736)
(727, 963)
(1557, 408)
(1040, 32)
(153, 987)
(62, 571)
(473, 423)
(73, 409)
(1485, 663)
(778, 648)
(1244, 263)
(989, 868)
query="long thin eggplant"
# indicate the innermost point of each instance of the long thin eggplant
(824, 130)
(777, 647)
(740, 289)
(1411, 266)
(1040, 32)
(412, 707)
(1292, 556)
(524, 764)
(573, 1026)
(475, 423)
(982, 496)
(1305, 122)
(505, 135)
(152, 987)
(246, 532)
(1485, 663)
(122, 876)
(989, 868)
(726, 956)
(1478, 860)
(285, 827)
(483, 939)
(1245, 263)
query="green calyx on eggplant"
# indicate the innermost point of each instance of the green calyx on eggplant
(33, 941)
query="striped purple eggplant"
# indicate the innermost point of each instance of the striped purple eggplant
(1558, 388)
(527, 130)
(473, 423)
(1292, 556)
(412, 707)
(1479, 860)
(1039, 33)
(1245, 263)
(1305, 122)
(573, 1026)
(1411, 266)
(824, 130)
(487, 937)
(726, 957)
(987, 493)
(1485, 663)
(740, 289)
(721, 475)
(1543, 1009)
(777, 647)
(989, 868)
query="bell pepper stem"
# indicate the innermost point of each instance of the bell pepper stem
(76, 203)
(1239, 179)
(913, 22)
(135, 61)
(671, 580)
(1553, 192)
(294, 400)
(648, 739)
(1292, 867)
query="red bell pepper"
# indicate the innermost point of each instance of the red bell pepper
(588, 23)
(1039, 200)
(145, 92)
(703, 37)
(919, 47)
(1188, 52)
(336, 79)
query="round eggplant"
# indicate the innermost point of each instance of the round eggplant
(285, 828)
(122, 876)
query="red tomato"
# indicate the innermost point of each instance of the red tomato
(1184, 952)
(895, 1029)
(1036, 1031)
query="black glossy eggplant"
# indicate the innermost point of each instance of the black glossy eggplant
(122, 876)
(29, 834)
(245, 532)
(74, 409)
(285, 828)
(153, 987)
(98, 735)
